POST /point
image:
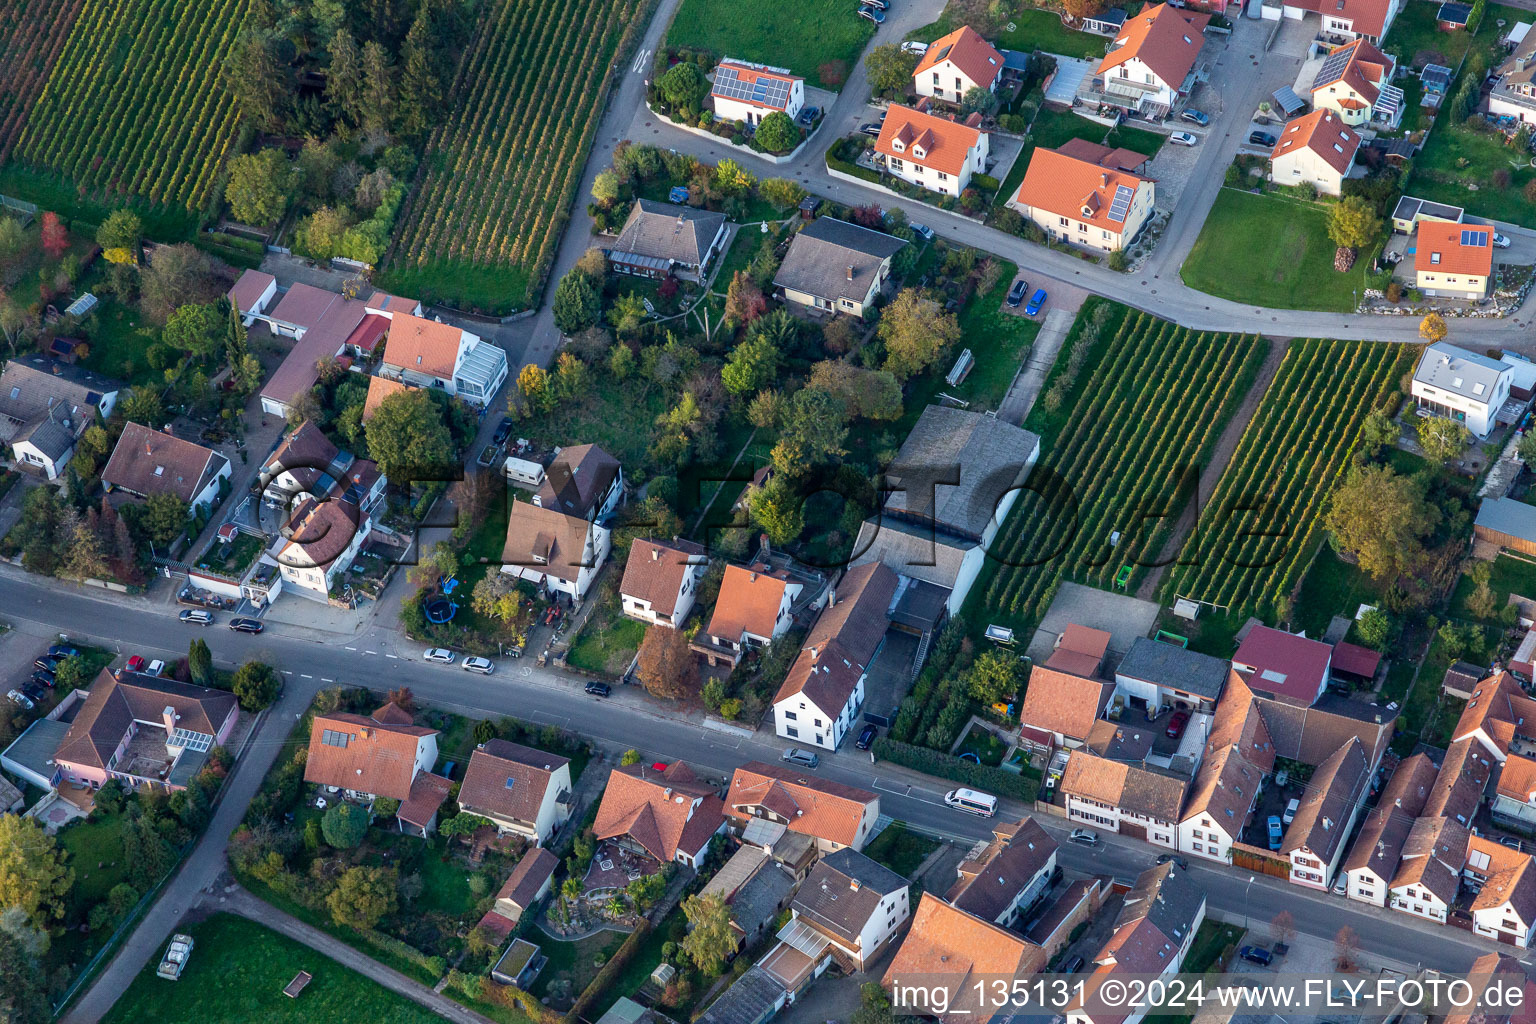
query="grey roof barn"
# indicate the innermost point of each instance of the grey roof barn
(1161, 664)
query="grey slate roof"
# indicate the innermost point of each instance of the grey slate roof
(1409, 207)
(955, 466)
(750, 999)
(34, 389)
(829, 899)
(678, 233)
(1454, 369)
(1166, 894)
(1166, 665)
(1506, 515)
(820, 259)
(917, 552)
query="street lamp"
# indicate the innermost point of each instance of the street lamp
(1251, 879)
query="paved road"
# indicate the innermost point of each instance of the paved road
(381, 660)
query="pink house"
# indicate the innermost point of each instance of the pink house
(144, 731)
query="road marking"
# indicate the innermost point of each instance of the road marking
(287, 673)
(306, 675)
(351, 648)
(370, 652)
(325, 679)
(390, 655)
(640, 61)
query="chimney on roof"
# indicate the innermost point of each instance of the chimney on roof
(1104, 180)
(655, 554)
(667, 792)
(853, 885)
(850, 271)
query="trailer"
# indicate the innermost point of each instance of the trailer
(176, 957)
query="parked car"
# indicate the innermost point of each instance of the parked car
(1276, 830)
(1183, 139)
(246, 625)
(34, 691)
(913, 46)
(503, 430)
(62, 651)
(1072, 966)
(47, 663)
(155, 668)
(1194, 116)
(1176, 723)
(879, 4)
(866, 736)
(1016, 293)
(481, 665)
(874, 14)
(1179, 862)
(17, 697)
(1341, 887)
(136, 664)
(1290, 810)
(808, 115)
(1036, 302)
(1086, 836)
(803, 758)
(1500, 241)
(196, 617)
(43, 677)
(441, 655)
(599, 689)
(1258, 138)
(1257, 955)
(922, 231)
(871, 129)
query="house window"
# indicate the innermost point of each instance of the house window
(893, 163)
(789, 715)
(1063, 221)
(818, 723)
(959, 85)
(790, 730)
(943, 176)
(935, 78)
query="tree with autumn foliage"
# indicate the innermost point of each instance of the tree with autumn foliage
(744, 301)
(666, 668)
(1077, 10)
(55, 238)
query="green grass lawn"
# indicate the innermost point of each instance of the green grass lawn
(607, 643)
(96, 854)
(237, 973)
(120, 339)
(62, 196)
(1415, 38)
(1270, 251)
(462, 284)
(1455, 157)
(1032, 30)
(1510, 576)
(1331, 587)
(819, 39)
(1210, 940)
(985, 746)
(573, 961)
(900, 849)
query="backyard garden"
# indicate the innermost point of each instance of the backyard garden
(820, 40)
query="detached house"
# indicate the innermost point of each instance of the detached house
(380, 755)
(1451, 381)
(149, 462)
(748, 92)
(1084, 202)
(955, 64)
(661, 580)
(430, 354)
(958, 954)
(522, 790)
(1005, 876)
(659, 240)
(559, 552)
(321, 541)
(1378, 847)
(667, 815)
(848, 906)
(835, 816)
(833, 266)
(1314, 842)
(820, 698)
(1514, 89)
(1316, 149)
(1150, 66)
(930, 151)
(1343, 19)
(751, 610)
(582, 480)
(1064, 704)
(45, 406)
(1453, 261)
(1354, 81)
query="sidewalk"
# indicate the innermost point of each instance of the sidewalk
(1037, 365)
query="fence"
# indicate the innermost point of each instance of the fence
(1253, 858)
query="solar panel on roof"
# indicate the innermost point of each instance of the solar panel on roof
(1477, 238)
(1123, 196)
(1333, 67)
(771, 92)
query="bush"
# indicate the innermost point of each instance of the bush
(605, 977)
(985, 182)
(945, 766)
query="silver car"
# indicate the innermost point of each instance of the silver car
(803, 758)
(482, 665)
(441, 655)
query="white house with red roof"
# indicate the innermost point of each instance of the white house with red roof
(955, 64)
(1288, 668)
(931, 151)
(1317, 149)
(1150, 66)
(1084, 202)
(1341, 19)
(742, 91)
(1354, 80)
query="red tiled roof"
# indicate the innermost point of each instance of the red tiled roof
(380, 388)
(378, 757)
(1287, 665)
(149, 462)
(249, 288)
(944, 144)
(1118, 159)
(662, 812)
(422, 345)
(1064, 703)
(117, 701)
(1069, 187)
(818, 808)
(1356, 660)
(655, 570)
(748, 602)
(954, 951)
(965, 48)
(1366, 17)
(428, 793)
(1166, 39)
(368, 332)
(1441, 250)
(1324, 134)
(1365, 69)
(508, 780)
(319, 532)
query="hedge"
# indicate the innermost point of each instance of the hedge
(839, 164)
(605, 977)
(945, 766)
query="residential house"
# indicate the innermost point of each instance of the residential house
(530, 881)
(932, 152)
(1152, 934)
(417, 813)
(661, 580)
(558, 552)
(251, 293)
(1083, 201)
(1504, 907)
(1316, 149)
(1410, 211)
(1378, 847)
(323, 325)
(583, 481)
(1150, 66)
(755, 888)
(835, 815)
(955, 64)
(833, 266)
(1064, 705)
(45, 405)
(143, 730)
(949, 487)
(364, 758)
(660, 239)
(1453, 261)
(1508, 523)
(1354, 82)
(320, 542)
(1495, 717)
(665, 815)
(1451, 381)
(1283, 666)
(1155, 675)
(748, 92)
(1238, 755)
(1137, 801)
(1514, 88)
(148, 461)
(1511, 975)
(1429, 874)
(957, 954)
(751, 610)
(431, 354)
(1342, 19)
(849, 906)
(819, 700)
(1004, 877)
(1461, 784)
(521, 790)
(1335, 794)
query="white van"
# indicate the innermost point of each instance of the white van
(984, 804)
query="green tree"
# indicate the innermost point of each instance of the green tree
(85, 558)
(533, 383)
(752, 366)
(1442, 438)
(683, 87)
(710, 940)
(33, 875)
(121, 230)
(994, 676)
(23, 985)
(363, 897)
(1378, 431)
(421, 87)
(978, 100)
(577, 304)
(197, 329)
(783, 193)
(874, 1005)
(813, 429)
(343, 78)
(261, 185)
(463, 824)
(33, 938)
(627, 314)
(630, 757)
(72, 674)
(320, 234)
(178, 275)
(200, 662)
(777, 133)
(376, 91)
(1374, 629)
(1381, 519)
(344, 825)
(621, 362)
(256, 684)
(916, 332)
(777, 511)
(256, 78)
(142, 405)
(605, 188)
(664, 665)
(732, 179)
(871, 394)
(163, 518)
(408, 438)
(1525, 448)
(889, 70)
(1352, 223)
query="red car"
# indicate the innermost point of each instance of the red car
(1176, 724)
(136, 664)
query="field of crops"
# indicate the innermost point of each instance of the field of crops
(32, 32)
(134, 104)
(1153, 401)
(483, 227)
(1262, 521)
